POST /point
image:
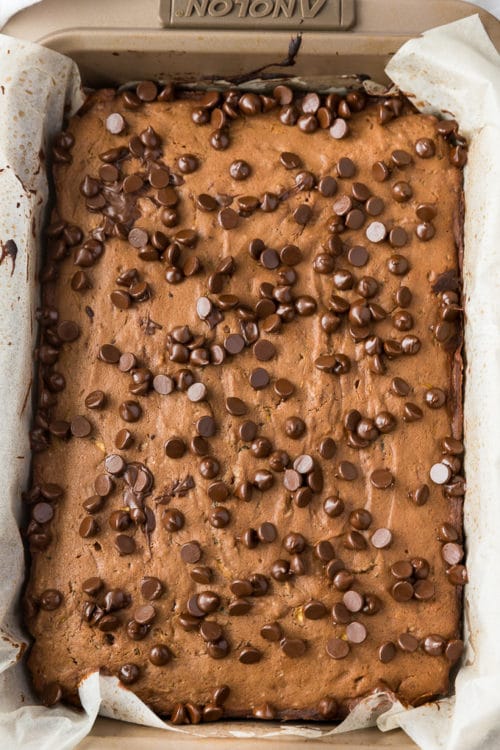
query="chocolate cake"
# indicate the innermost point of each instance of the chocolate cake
(247, 483)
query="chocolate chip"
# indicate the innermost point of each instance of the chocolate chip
(345, 167)
(249, 655)
(440, 473)
(206, 202)
(381, 479)
(324, 551)
(163, 384)
(145, 614)
(228, 218)
(236, 406)
(454, 650)
(452, 553)
(302, 214)
(387, 652)
(376, 231)
(219, 139)
(240, 170)
(307, 123)
(356, 632)
(187, 163)
(42, 512)
(333, 506)
(146, 91)
(401, 158)
(115, 124)
(206, 427)
(201, 574)
(425, 231)
(346, 470)
(324, 117)
(408, 642)
(342, 580)
(458, 156)
(290, 161)
(172, 520)
(402, 569)
(360, 519)
(210, 631)
(129, 673)
(327, 186)
(219, 517)
(208, 601)
(259, 378)
(120, 299)
(435, 398)
(114, 464)
(80, 427)
(423, 590)
(426, 211)
(159, 655)
(130, 411)
(314, 610)
(446, 127)
(398, 237)
(337, 648)
(271, 631)
(51, 694)
(448, 533)
(294, 427)
(305, 180)
(92, 586)
(380, 171)
(355, 218)
(381, 538)
(88, 527)
(109, 354)
(302, 497)
(338, 130)
(159, 177)
(80, 281)
(412, 412)
(457, 575)
(124, 544)
(264, 350)
(293, 647)
(267, 532)
(402, 591)
(68, 331)
(425, 148)
(280, 570)
(151, 588)
(434, 645)
(127, 362)
(292, 480)
(209, 468)
(50, 599)
(357, 256)
(109, 173)
(353, 601)
(283, 94)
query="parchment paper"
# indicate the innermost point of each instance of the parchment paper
(453, 69)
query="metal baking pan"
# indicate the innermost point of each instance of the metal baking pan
(119, 40)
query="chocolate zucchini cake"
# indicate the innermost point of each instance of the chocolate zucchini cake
(247, 484)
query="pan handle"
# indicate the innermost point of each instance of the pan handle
(256, 15)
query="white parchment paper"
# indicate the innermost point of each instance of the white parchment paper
(454, 69)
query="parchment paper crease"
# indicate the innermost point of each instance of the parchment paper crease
(453, 69)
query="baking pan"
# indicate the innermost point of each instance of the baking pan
(184, 40)
(115, 40)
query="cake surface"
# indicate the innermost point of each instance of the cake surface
(247, 467)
